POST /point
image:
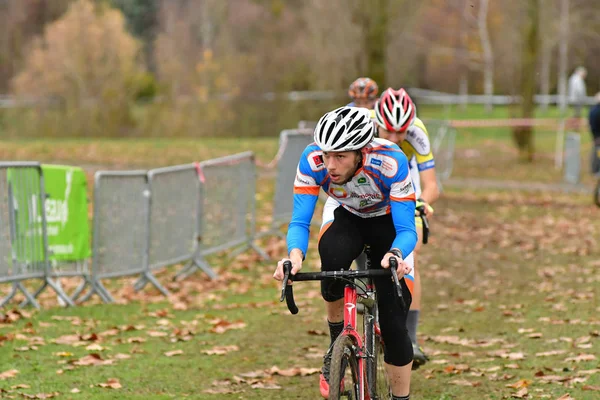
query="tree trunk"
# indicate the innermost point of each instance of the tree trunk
(488, 56)
(463, 57)
(376, 38)
(523, 136)
(545, 72)
(563, 53)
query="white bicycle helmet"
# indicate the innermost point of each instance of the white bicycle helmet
(395, 110)
(344, 129)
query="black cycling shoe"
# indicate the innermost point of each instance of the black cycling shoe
(419, 357)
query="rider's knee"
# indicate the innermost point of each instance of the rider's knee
(331, 291)
(399, 351)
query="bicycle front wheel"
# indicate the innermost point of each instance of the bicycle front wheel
(344, 379)
(383, 389)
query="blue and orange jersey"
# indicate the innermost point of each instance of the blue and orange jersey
(382, 185)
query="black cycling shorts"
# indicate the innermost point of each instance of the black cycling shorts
(340, 242)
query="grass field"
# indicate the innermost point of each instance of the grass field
(511, 298)
(510, 307)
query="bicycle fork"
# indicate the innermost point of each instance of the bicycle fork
(350, 323)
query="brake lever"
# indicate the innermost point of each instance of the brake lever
(394, 267)
(287, 270)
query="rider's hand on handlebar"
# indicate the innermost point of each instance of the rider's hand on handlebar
(403, 268)
(425, 207)
(295, 258)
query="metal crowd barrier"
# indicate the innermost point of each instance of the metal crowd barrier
(120, 231)
(23, 231)
(572, 173)
(442, 137)
(68, 233)
(228, 206)
(175, 219)
(292, 143)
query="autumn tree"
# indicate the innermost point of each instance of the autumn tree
(523, 136)
(88, 63)
(142, 21)
(20, 21)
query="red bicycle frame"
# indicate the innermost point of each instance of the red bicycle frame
(350, 321)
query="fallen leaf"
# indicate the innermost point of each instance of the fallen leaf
(136, 340)
(221, 326)
(514, 356)
(72, 340)
(121, 356)
(464, 382)
(265, 385)
(520, 384)
(221, 390)
(294, 371)
(566, 396)
(220, 350)
(40, 395)
(550, 353)
(63, 354)
(523, 330)
(11, 373)
(92, 359)
(317, 332)
(582, 357)
(75, 390)
(157, 333)
(590, 387)
(25, 348)
(520, 394)
(110, 332)
(173, 353)
(95, 347)
(112, 383)
(20, 386)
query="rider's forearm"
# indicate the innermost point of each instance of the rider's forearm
(430, 191)
(299, 228)
(403, 215)
(296, 253)
(429, 185)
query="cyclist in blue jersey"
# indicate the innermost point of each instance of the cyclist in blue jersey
(370, 179)
(363, 92)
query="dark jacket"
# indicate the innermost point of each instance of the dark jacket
(594, 118)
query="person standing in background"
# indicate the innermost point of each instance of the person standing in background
(577, 94)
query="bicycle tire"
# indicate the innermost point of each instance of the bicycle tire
(383, 389)
(344, 359)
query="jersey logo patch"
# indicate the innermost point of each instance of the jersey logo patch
(418, 140)
(387, 165)
(339, 192)
(402, 189)
(315, 160)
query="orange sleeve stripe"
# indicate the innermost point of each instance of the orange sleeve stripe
(411, 286)
(312, 190)
(412, 197)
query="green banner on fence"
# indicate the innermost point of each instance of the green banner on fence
(66, 213)
(24, 216)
